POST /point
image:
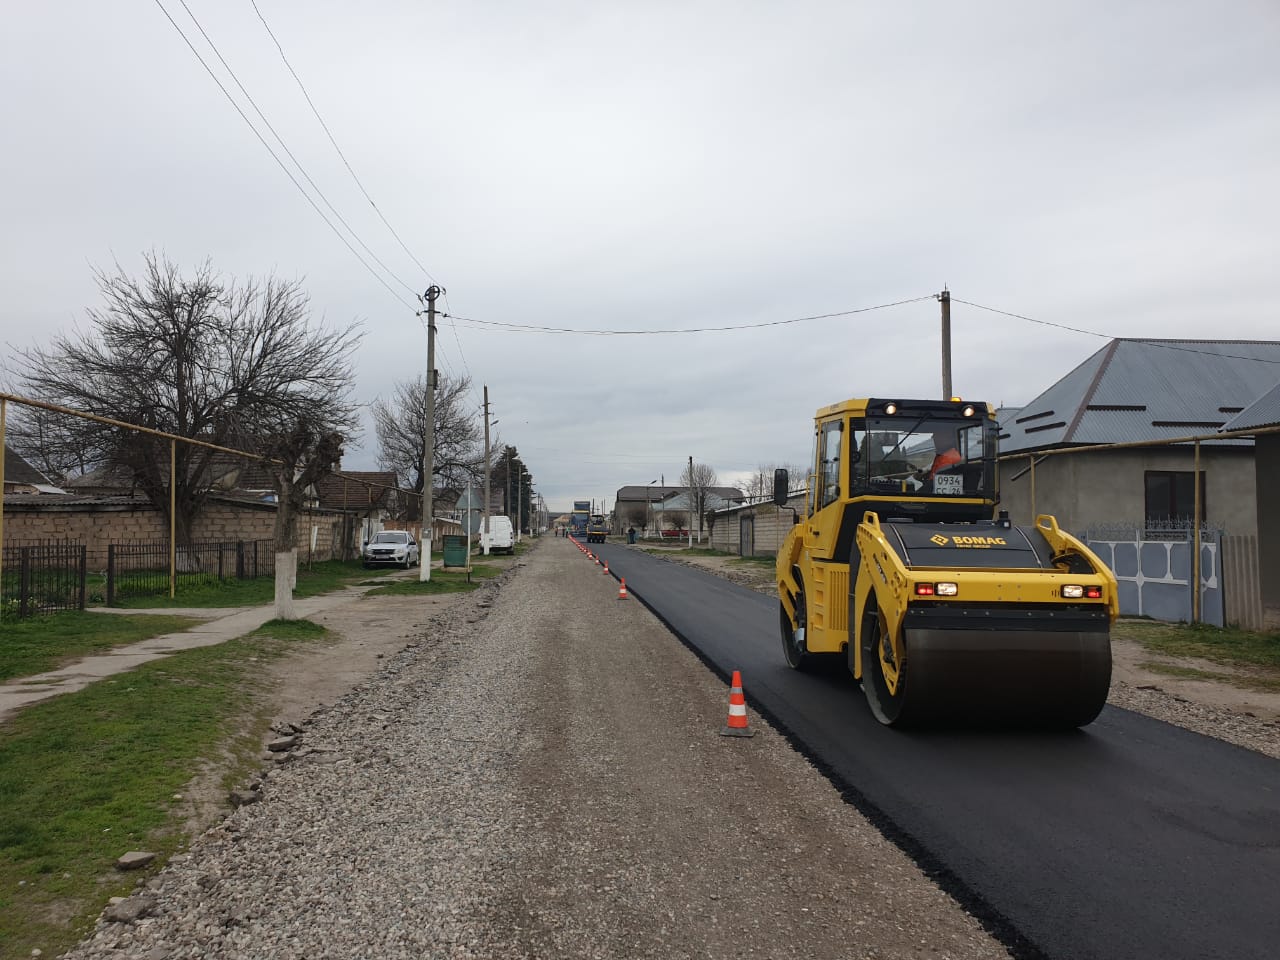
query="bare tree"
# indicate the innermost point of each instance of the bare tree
(457, 438)
(760, 485)
(638, 517)
(195, 356)
(38, 436)
(699, 481)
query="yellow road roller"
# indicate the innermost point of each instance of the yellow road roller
(945, 611)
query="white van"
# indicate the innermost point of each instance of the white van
(502, 536)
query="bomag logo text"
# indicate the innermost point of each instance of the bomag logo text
(940, 540)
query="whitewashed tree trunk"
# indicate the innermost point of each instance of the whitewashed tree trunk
(285, 578)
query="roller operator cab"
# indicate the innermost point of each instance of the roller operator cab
(896, 564)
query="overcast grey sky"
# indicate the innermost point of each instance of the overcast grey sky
(656, 166)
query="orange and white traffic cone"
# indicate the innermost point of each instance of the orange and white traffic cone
(737, 723)
(606, 566)
(622, 588)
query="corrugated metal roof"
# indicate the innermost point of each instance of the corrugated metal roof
(1263, 412)
(1133, 390)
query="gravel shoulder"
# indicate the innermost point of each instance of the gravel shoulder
(538, 772)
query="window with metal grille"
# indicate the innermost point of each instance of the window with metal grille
(1170, 496)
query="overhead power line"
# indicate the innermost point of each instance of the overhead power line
(533, 328)
(329, 134)
(354, 176)
(284, 146)
(1093, 333)
(274, 156)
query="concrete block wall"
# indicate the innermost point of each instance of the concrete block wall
(95, 527)
(98, 525)
(770, 524)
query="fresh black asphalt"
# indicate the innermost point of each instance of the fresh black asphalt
(1130, 838)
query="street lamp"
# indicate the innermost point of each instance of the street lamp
(649, 503)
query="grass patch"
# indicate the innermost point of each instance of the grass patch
(294, 630)
(1242, 649)
(313, 580)
(87, 776)
(1254, 656)
(39, 644)
(442, 581)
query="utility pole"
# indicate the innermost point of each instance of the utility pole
(467, 521)
(945, 297)
(691, 505)
(429, 436)
(485, 538)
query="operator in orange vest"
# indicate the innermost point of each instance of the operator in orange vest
(946, 453)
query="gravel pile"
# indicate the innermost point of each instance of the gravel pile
(541, 775)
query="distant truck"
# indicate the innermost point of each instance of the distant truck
(580, 517)
(597, 529)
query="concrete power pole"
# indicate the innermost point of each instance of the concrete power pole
(945, 297)
(485, 538)
(429, 436)
(691, 506)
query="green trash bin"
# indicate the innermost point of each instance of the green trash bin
(455, 550)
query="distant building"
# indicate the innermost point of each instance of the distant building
(642, 506)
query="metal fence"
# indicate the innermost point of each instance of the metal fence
(1154, 565)
(141, 568)
(43, 577)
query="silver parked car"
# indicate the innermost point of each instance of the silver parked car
(391, 546)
